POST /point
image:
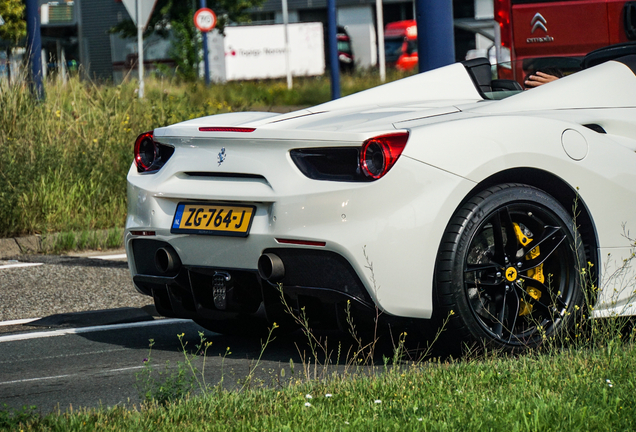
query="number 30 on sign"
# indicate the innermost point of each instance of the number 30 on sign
(204, 19)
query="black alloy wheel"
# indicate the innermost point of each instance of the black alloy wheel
(508, 270)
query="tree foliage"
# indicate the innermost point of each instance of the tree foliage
(175, 18)
(14, 28)
(167, 12)
(185, 49)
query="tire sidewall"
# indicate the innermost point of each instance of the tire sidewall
(451, 295)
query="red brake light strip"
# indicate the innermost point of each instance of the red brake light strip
(301, 242)
(142, 233)
(226, 129)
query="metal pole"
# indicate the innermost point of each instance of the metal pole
(44, 63)
(63, 69)
(379, 14)
(58, 54)
(34, 45)
(206, 60)
(287, 65)
(497, 31)
(333, 49)
(435, 37)
(140, 50)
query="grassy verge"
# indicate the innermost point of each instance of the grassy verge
(64, 161)
(584, 390)
(111, 238)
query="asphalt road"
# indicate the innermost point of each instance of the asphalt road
(106, 367)
(33, 286)
(87, 344)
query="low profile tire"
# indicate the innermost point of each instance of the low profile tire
(508, 271)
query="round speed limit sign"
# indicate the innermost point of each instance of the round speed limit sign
(204, 19)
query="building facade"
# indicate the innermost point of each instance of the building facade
(358, 17)
(75, 33)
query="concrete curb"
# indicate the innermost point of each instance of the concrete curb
(20, 245)
(9, 247)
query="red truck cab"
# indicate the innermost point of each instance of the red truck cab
(536, 32)
(400, 44)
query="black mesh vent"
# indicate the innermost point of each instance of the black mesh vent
(144, 253)
(320, 269)
(334, 164)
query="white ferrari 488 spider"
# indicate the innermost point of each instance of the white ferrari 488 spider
(445, 194)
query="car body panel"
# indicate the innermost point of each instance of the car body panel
(390, 230)
(618, 284)
(344, 215)
(586, 89)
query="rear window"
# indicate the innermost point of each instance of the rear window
(393, 48)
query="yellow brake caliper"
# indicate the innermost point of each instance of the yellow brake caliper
(536, 273)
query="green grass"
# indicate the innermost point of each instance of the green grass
(63, 162)
(565, 390)
(111, 238)
(582, 382)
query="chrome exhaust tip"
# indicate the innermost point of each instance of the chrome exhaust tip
(167, 260)
(271, 267)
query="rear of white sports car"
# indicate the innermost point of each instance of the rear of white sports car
(388, 200)
(323, 202)
(306, 211)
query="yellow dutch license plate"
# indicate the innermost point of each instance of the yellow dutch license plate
(215, 219)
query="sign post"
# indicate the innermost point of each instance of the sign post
(287, 65)
(205, 20)
(334, 66)
(140, 12)
(380, 25)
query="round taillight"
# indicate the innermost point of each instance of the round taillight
(380, 153)
(145, 151)
(373, 159)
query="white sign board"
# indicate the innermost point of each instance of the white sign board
(147, 6)
(257, 52)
